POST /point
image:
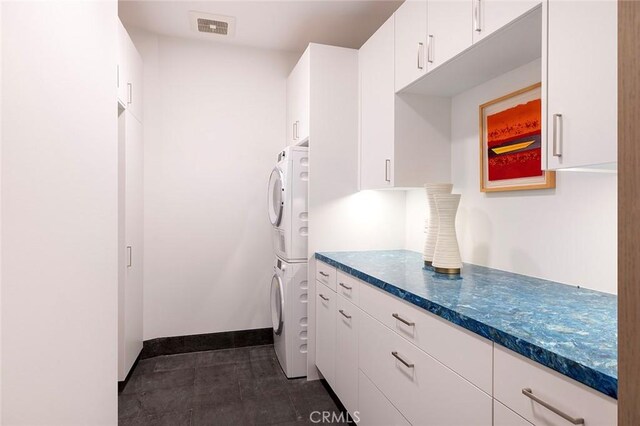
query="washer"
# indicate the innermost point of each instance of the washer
(289, 316)
(287, 204)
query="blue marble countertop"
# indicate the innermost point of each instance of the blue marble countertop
(569, 329)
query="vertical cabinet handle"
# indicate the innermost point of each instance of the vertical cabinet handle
(477, 13)
(557, 135)
(295, 125)
(387, 171)
(130, 86)
(420, 55)
(129, 257)
(297, 130)
(430, 48)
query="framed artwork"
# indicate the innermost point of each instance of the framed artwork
(511, 143)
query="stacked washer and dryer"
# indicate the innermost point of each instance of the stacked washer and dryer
(288, 213)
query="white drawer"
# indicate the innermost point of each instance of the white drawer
(326, 274)
(375, 409)
(513, 373)
(348, 287)
(465, 352)
(422, 389)
(503, 416)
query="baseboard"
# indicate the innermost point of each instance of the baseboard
(349, 420)
(123, 383)
(206, 342)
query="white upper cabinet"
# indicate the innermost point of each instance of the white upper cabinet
(581, 83)
(490, 15)
(410, 42)
(377, 109)
(404, 138)
(298, 91)
(449, 30)
(121, 66)
(129, 71)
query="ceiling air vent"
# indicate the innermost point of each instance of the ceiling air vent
(212, 24)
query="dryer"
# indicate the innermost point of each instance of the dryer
(289, 288)
(287, 204)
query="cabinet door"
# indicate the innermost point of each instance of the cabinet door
(581, 83)
(410, 42)
(298, 87)
(491, 15)
(292, 106)
(449, 30)
(325, 332)
(303, 82)
(123, 39)
(374, 409)
(377, 109)
(134, 83)
(132, 315)
(346, 359)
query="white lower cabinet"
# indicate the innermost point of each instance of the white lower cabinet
(346, 360)
(375, 409)
(424, 391)
(326, 332)
(391, 363)
(466, 353)
(516, 375)
(503, 416)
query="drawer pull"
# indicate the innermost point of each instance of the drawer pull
(324, 274)
(343, 285)
(529, 394)
(399, 358)
(344, 315)
(399, 318)
(323, 297)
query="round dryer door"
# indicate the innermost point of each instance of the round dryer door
(277, 304)
(276, 190)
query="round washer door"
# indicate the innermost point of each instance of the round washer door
(277, 304)
(274, 197)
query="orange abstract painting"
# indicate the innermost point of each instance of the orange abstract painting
(514, 142)
(511, 155)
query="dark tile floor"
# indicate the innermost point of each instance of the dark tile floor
(242, 386)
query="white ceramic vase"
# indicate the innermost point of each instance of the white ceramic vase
(446, 257)
(431, 226)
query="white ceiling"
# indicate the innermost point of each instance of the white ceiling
(280, 25)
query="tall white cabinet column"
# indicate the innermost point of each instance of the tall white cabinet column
(130, 204)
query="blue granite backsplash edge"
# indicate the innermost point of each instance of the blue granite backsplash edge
(595, 379)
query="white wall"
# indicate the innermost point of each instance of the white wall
(0, 215)
(567, 234)
(59, 205)
(214, 123)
